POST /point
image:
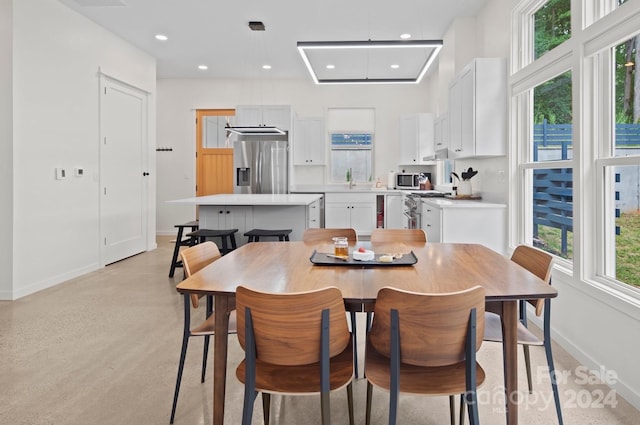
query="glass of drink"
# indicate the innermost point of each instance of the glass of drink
(340, 246)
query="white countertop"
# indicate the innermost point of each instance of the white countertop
(250, 199)
(460, 203)
(340, 188)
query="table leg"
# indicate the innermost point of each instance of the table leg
(510, 356)
(222, 308)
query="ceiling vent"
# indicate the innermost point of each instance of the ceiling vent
(256, 26)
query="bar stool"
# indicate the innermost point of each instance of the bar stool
(254, 235)
(194, 225)
(226, 236)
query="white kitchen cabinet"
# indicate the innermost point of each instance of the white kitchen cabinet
(313, 215)
(465, 222)
(356, 210)
(416, 138)
(431, 219)
(478, 110)
(309, 141)
(261, 115)
(229, 217)
(441, 132)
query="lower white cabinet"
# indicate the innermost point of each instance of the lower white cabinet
(465, 222)
(227, 217)
(356, 210)
(313, 215)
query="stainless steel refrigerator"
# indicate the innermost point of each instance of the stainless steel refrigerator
(261, 164)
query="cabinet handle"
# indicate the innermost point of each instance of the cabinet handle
(428, 225)
(220, 212)
(228, 212)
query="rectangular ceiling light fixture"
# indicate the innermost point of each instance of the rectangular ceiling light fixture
(368, 62)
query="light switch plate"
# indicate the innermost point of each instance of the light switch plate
(78, 171)
(61, 173)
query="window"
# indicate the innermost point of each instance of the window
(351, 157)
(351, 132)
(552, 24)
(620, 161)
(577, 125)
(549, 208)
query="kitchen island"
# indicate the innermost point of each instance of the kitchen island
(257, 211)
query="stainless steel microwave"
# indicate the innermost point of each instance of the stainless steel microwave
(407, 181)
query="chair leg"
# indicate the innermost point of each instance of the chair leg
(369, 400)
(472, 405)
(461, 420)
(205, 353)
(527, 363)
(354, 337)
(554, 383)
(176, 251)
(452, 410)
(325, 407)
(232, 238)
(350, 402)
(183, 355)
(266, 407)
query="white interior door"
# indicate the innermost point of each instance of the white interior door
(123, 176)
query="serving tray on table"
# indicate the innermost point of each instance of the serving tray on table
(325, 259)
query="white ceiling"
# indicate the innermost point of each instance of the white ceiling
(216, 32)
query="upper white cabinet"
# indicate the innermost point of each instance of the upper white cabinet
(478, 110)
(259, 115)
(309, 141)
(416, 138)
(441, 132)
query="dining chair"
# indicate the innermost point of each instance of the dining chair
(398, 235)
(426, 344)
(296, 343)
(194, 259)
(325, 235)
(539, 263)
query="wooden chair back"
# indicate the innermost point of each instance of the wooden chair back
(398, 235)
(197, 257)
(538, 262)
(433, 327)
(325, 235)
(287, 326)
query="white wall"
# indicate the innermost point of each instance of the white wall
(178, 99)
(6, 147)
(57, 55)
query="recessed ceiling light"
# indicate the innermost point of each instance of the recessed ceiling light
(331, 66)
(161, 37)
(395, 66)
(266, 66)
(203, 67)
(405, 36)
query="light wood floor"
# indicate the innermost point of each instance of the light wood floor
(104, 349)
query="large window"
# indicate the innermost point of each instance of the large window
(577, 122)
(621, 177)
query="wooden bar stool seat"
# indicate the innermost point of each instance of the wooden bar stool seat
(227, 238)
(175, 262)
(254, 235)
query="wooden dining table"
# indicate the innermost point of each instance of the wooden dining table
(285, 267)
